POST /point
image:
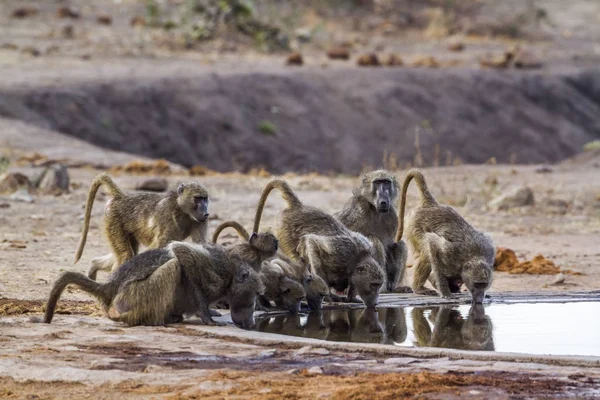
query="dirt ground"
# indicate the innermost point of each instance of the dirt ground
(84, 355)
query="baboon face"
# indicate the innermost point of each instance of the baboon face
(477, 277)
(245, 288)
(367, 280)
(316, 289)
(193, 200)
(266, 243)
(292, 294)
(381, 188)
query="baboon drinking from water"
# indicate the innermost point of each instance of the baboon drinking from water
(372, 212)
(160, 286)
(150, 219)
(445, 244)
(343, 258)
(282, 276)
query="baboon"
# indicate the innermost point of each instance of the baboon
(372, 212)
(445, 244)
(451, 330)
(280, 288)
(340, 256)
(314, 287)
(161, 286)
(254, 249)
(150, 219)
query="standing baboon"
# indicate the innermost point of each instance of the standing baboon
(160, 286)
(340, 256)
(254, 249)
(284, 268)
(150, 219)
(372, 212)
(445, 244)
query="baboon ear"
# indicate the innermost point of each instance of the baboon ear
(243, 275)
(180, 188)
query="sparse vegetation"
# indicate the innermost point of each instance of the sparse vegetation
(266, 127)
(594, 145)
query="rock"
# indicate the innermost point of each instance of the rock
(137, 21)
(303, 35)
(104, 19)
(54, 180)
(544, 169)
(558, 279)
(67, 32)
(24, 12)
(67, 12)
(22, 195)
(104, 363)
(393, 60)
(400, 360)
(456, 46)
(526, 60)
(295, 59)
(319, 350)
(153, 185)
(517, 197)
(338, 53)
(315, 371)
(294, 371)
(368, 60)
(303, 350)
(4, 205)
(10, 182)
(267, 353)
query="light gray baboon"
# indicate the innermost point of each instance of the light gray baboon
(161, 286)
(445, 244)
(343, 258)
(372, 212)
(149, 219)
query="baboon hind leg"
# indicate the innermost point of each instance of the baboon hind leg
(121, 243)
(422, 268)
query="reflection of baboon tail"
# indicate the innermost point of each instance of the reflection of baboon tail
(424, 195)
(78, 279)
(286, 192)
(242, 232)
(113, 191)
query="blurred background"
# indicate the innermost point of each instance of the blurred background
(303, 86)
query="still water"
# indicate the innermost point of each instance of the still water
(537, 328)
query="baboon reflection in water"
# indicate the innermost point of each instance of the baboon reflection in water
(386, 325)
(451, 330)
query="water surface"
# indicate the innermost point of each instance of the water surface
(536, 328)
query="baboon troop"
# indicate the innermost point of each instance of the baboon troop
(357, 252)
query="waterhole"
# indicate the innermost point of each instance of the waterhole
(536, 328)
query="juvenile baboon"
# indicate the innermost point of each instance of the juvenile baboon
(445, 244)
(254, 249)
(160, 286)
(340, 256)
(315, 287)
(280, 288)
(149, 219)
(372, 212)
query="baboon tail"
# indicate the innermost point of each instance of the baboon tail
(425, 197)
(85, 283)
(113, 191)
(242, 232)
(286, 192)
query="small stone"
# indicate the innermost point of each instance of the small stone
(368, 60)
(319, 350)
(339, 53)
(153, 185)
(303, 350)
(315, 371)
(22, 195)
(518, 197)
(456, 46)
(101, 364)
(295, 59)
(137, 21)
(54, 180)
(67, 12)
(4, 205)
(10, 182)
(104, 19)
(544, 169)
(558, 279)
(400, 361)
(294, 371)
(267, 353)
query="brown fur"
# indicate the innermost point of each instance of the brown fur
(149, 219)
(280, 288)
(340, 256)
(372, 212)
(446, 245)
(160, 286)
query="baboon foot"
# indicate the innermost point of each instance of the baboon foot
(425, 292)
(403, 289)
